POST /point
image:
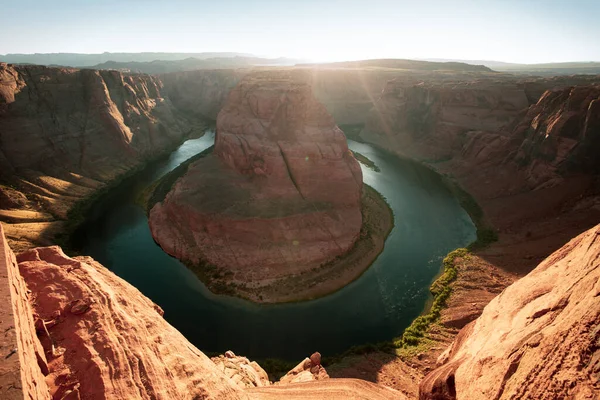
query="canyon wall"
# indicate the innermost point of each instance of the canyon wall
(202, 92)
(23, 358)
(529, 166)
(537, 340)
(64, 133)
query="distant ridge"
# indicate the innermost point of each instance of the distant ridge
(405, 64)
(88, 60)
(562, 68)
(190, 64)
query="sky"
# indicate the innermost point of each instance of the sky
(522, 31)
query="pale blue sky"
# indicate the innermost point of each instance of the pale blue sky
(528, 31)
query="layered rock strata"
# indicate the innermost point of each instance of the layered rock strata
(65, 132)
(281, 194)
(98, 337)
(537, 340)
(23, 358)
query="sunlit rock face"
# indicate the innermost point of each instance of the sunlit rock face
(279, 196)
(66, 132)
(538, 339)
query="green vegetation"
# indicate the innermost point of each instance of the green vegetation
(441, 291)
(366, 161)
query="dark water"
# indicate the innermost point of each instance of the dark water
(378, 306)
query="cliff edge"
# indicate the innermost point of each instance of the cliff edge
(539, 339)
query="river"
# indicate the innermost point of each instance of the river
(429, 223)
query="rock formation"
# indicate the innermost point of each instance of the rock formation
(98, 337)
(537, 340)
(242, 372)
(107, 340)
(433, 121)
(65, 132)
(280, 196)
(202, 92)
(23, 360)
(559, 134)
(309, 369)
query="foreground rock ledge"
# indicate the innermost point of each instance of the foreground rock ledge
(98, 337)
(279, 197)
(539, 339)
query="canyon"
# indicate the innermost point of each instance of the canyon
(280, 198)
(524, 148)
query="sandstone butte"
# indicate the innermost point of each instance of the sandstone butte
(100, 338)
(280, 196)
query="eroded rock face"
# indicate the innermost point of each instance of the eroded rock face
(23, 362)
(537, 340)
(95, 320)
(65, 132)
(93, 123)
(560, 134)
(202, 92)
(280, 195)
(433, 122)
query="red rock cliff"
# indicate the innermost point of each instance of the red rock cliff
(537, 340)
(23, 359)
(98, 337)
(65, 132)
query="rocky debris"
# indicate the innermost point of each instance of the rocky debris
(309, 369)
(537, 340)
(241, 371)
(248, 374)
(288, 188)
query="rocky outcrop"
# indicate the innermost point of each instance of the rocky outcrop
(309, 369)
(65, 132)
(242, 372)
(280, 196)
(23, 358)
(98, 337)
(105, 340)
(537, 340)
